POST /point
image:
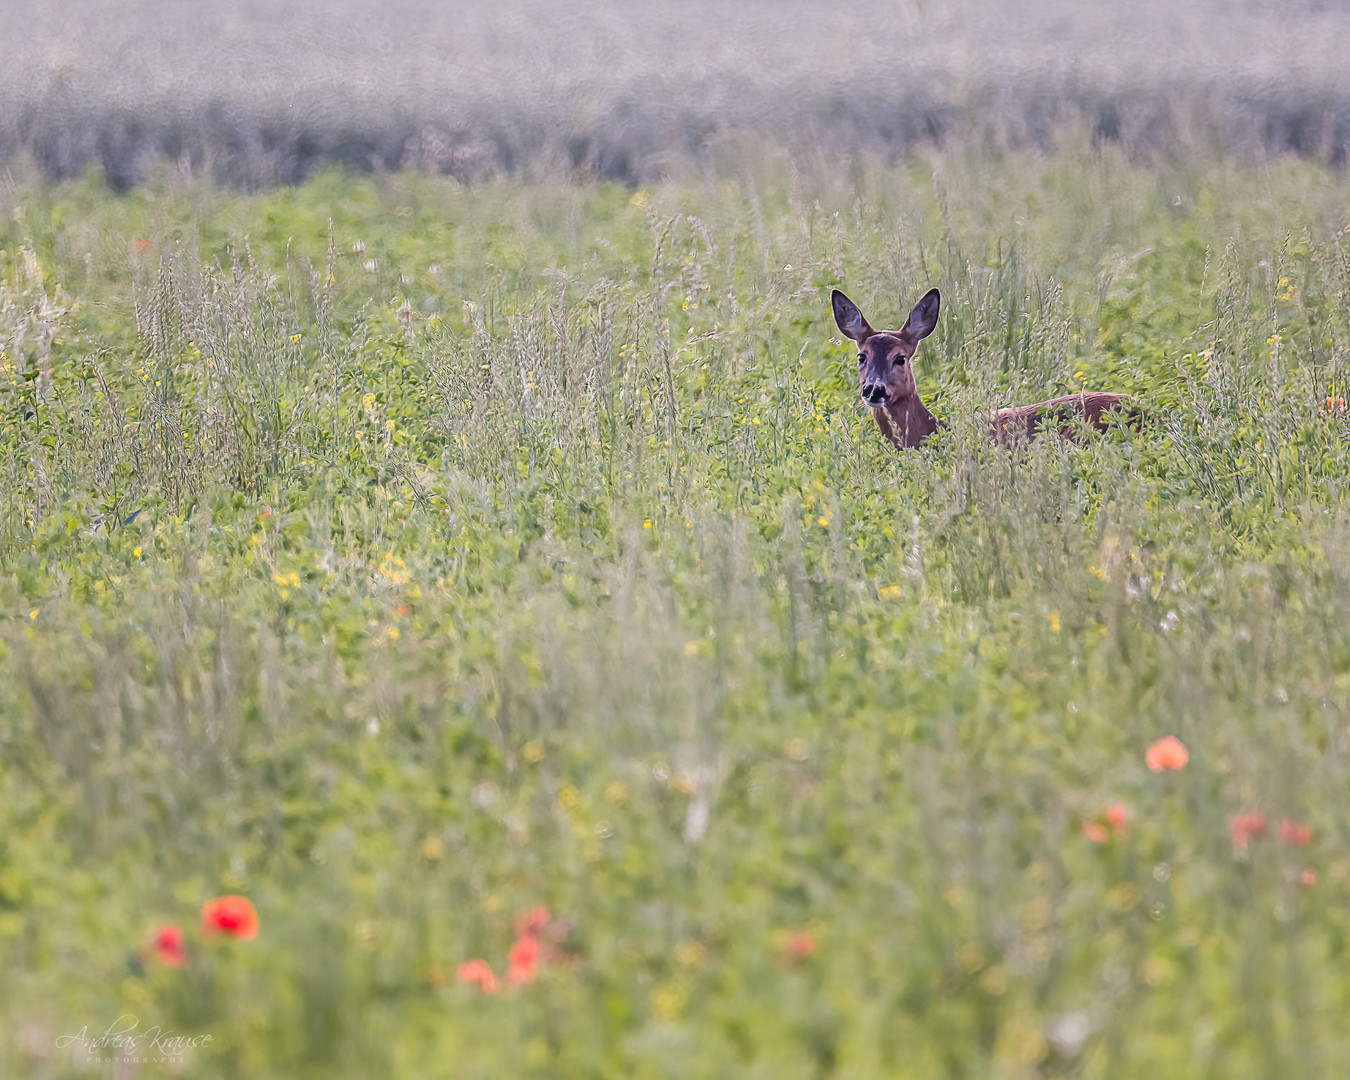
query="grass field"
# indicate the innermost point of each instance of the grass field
(405, 556)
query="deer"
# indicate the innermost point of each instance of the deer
(886, 378)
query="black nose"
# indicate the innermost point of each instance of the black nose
(874, 393)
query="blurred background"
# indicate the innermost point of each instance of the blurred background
(256, 93)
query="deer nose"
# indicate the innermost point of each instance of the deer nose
(874, 393)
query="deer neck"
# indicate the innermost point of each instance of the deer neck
(905, 422)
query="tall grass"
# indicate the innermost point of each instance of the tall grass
(527, 543)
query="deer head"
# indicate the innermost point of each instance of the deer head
(885, 377)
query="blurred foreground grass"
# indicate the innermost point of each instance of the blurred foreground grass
(405, 556)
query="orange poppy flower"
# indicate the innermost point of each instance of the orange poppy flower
(477, 971)
(1167, 754)
(233, 916)
(167, 942)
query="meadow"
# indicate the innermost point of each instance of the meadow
(407, 555)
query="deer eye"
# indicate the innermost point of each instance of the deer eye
(900, 360)
(862, 359)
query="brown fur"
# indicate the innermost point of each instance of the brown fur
(886, 381)
(1022, 422)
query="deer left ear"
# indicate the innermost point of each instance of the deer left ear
(925, 314)
(848, 318)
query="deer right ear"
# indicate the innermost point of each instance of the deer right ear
(925, 314)
(848, 318)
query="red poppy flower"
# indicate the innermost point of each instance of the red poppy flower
(533, 922)
(523, 960)
(477, 971)
(1118, 818)
(233, 916)
(800, 945)
(1245, 828)
(1114, 822)
(1167, 755)
(1295, 834)
(1095, 831)
(167, 942)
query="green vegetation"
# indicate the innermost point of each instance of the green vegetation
(404, 556)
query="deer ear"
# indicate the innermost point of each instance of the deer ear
(925, 314)
(848, 318)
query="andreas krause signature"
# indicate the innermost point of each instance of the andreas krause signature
(125, 1037)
